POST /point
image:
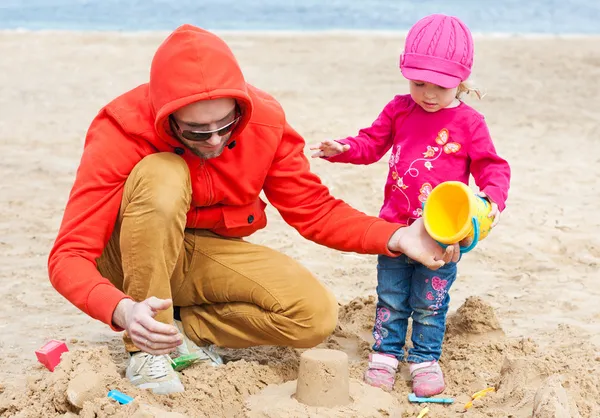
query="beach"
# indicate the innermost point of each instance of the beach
(536, 270)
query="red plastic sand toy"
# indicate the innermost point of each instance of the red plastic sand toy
(49, 354)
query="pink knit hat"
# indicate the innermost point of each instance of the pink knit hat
(438, 50)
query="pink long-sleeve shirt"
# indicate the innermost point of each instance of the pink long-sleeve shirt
(428, 149)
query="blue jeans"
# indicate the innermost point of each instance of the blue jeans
(407, 288)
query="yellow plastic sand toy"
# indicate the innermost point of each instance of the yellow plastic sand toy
(454, 212)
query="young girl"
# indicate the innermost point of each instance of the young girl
(434, 137)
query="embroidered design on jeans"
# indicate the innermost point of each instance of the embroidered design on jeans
(439, 286)
(379, 332)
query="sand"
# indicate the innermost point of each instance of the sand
(323, 378)
(529, 327)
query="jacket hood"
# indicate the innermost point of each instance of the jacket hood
(193, 64)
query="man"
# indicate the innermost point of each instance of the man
(169, 182)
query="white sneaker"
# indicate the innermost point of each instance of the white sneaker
(153, 372)
(207, 353)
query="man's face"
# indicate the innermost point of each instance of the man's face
(207, 115)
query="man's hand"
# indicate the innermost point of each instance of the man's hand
(416, 244)
(146, 333)
(328, 148)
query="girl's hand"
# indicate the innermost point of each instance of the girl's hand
(494, 213)
(329, 148)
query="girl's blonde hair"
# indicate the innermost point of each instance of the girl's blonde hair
(468, 87)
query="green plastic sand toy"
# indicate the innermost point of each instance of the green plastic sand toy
(185, 361)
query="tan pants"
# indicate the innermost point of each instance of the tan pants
(232, 293)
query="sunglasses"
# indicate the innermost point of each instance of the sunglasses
(206, 135)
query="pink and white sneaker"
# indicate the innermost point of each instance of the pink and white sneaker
(382, 371)
(427, 379)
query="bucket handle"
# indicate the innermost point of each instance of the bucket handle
(464, 250)
(475, 232)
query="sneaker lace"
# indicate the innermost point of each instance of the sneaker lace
(209, 353)
(158, 366)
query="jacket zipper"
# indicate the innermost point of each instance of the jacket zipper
(208, 182)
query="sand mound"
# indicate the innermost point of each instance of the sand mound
(278, 401)
(551, 400)
(84, 377)
(322, 389)
(474, 320)
(562, 379)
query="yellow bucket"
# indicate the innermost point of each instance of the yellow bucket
(453, 212)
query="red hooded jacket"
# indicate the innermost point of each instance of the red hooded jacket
(192, 65)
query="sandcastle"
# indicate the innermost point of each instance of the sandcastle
(324, 387)
(323, 378)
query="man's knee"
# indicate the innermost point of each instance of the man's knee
(320, 318)
(161, 181)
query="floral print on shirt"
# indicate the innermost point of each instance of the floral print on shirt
(431, 154)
